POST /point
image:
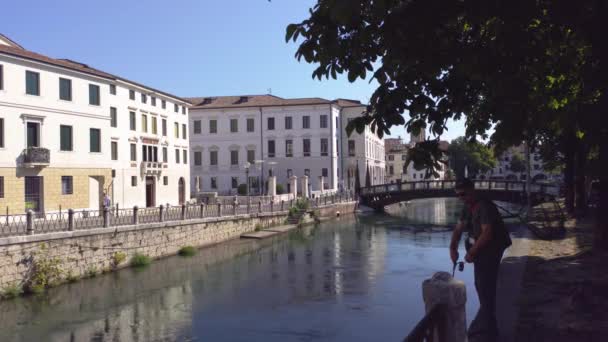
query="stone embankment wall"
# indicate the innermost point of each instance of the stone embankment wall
(85, 252)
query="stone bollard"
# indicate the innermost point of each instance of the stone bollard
(293, 185)
(106, 217)
(219, 210)
(183, 211)
(135, 215)
(70, 219)
(161, 213)
(29, 216)
(443, 289)
(305, 193)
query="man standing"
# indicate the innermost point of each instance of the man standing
(106, 200)
(487, 238)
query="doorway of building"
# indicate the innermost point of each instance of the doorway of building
(33, 134)
(182, 190)
(150, 191)
(34, 187)
(95, 200)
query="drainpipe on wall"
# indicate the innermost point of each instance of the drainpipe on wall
(261, 185)
(331, 145)
(341, 149)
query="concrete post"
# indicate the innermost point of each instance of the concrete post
(29, 216)
(161, 213)
(219, 209)
(71, 219)
(443, 289)
(106, 217)
(321, 183)
(135, 216)
(305, 187)
(183, 216)
(202, 210)
(272, 186)
(293, 186)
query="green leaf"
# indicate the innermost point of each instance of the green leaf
(289, 31)
(352, 76)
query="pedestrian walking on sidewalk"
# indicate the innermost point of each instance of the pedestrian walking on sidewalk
(487, 239)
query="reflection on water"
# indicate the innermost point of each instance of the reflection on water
(431, 211)
(355, 279)
(438, 211)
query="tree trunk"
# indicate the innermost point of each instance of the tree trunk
(579, 179)
(601, 228)
(569, 175)
(528, 178)
(600, 25)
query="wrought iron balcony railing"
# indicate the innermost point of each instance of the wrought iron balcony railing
(36, 157)
(152, 168)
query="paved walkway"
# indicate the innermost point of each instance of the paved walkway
(510, 279)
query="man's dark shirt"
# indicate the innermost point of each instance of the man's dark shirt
(485, 212)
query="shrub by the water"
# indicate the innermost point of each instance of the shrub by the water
(187, 251)
(11, 291)
(140, 260)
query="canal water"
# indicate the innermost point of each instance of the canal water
(357, 278)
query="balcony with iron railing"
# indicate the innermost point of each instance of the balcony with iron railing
(152, 168)
(36, 157)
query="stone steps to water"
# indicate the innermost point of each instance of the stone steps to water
(295, 219)
(266, 233)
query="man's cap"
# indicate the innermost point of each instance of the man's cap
(464, 183)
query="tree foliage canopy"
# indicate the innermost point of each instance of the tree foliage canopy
(517, 163)
(516, 65)
(477, 157)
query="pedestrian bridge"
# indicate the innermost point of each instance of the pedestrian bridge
(379, 196)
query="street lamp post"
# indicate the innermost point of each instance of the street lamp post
(271, 165)
(247, 166)
(259, 163)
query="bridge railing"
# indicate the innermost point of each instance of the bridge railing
(504, 185)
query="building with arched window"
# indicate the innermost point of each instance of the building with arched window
(285, 137)
(70, 133)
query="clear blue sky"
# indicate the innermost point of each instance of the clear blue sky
(187, 48)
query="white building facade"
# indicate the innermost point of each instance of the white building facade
(396, 160)
(503, 171)
(67, 133)
(282, 137)
(364, 151)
